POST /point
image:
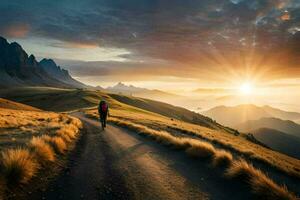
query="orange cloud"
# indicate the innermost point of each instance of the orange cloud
(286, 16)
(17, 30)
(281, 4)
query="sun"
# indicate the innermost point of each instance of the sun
(246, 89)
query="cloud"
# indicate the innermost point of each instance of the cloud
(15, 30)
(184, 38)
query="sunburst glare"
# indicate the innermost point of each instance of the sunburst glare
(246, 89)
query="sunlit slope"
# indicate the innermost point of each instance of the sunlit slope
(168, 130)
(158, 116)
(53, 99)
(167, 110)
(4, 103)
(19, 126)
(31, 139)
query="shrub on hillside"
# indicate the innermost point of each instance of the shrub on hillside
(222, 158)
(260, 183)
(201, 150)
(57, 143)
(42, 150)
(18, 165)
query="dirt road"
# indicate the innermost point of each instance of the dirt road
(118, 164)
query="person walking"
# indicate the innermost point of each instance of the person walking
(103, 112)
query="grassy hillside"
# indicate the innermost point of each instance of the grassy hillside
(286, 126)
(160, 118)
(4, 103)
(52, 99)
(238, 143)
(60, 100)
(31, 140)
(279, 141)
(217, 145)
(167, 110)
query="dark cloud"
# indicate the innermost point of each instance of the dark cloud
(190, 34)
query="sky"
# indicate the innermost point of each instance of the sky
(176, 45)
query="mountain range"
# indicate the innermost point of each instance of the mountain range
(271, 126)
(17, 69)
(286, 126)
(235, 115)
(121, 88)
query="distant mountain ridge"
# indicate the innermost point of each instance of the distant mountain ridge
(235, 115)
(17, 69)
(121, 88)
(286, 126)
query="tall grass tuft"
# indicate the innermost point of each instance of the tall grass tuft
(43, 150)
(222, 158)
(63, 134)
(201, 150)
(57, 143)
(18, 165)
(260, 183)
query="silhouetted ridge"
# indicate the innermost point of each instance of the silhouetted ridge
(19, 69)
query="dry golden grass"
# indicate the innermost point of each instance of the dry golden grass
(57, 142)
(4, 103)
(24, 128)
(62, 134)
(260, 183)
(239, 144)
(192, 147)
(76, 122)
(69, 132)
(43, 150)
(222, 158)
(18, 165)
(201, 150)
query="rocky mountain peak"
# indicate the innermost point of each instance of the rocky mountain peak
(48, 62)
(3, 41)
(17, 69)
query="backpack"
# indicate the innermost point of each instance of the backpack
(104, 107)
